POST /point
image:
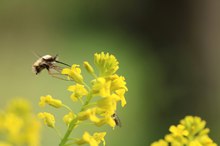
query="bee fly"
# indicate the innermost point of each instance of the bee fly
(116, 119)
(48, 62)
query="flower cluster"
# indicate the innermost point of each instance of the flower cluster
(18, 126)
(190, 132)
(99, 99)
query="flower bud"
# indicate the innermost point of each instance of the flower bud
(88, 67)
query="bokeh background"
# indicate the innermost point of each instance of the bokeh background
(168, 52)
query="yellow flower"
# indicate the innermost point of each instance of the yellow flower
(101, 87)
(88, 67)
(195, 143)
(50, 101)
(78, 91)
(19, 107)
(33, 131)
(121, 93)
(106, 120)
(204, 140)
(18, 126)
(177, 141)
(93, 113)
(108, 104)
(160, 143)
(69, 117)
(117, 82)
(13, 124)
(179, 130)
(48, 118)
(191, 132)
(74, 73)
(99, 137)
(88, 114)
(92, 140)
(195, 125)
(107, 64)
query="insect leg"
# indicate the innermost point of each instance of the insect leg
(55, 75)
(57, 68)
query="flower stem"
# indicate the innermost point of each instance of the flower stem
(68, 132)
(68, 108)
(86, 85)
(94, 75)
(88, 99)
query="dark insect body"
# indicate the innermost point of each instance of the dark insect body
(49, 63)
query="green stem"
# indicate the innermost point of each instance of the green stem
(89, 105)
(86, 85)
(88, 99)
(94, 75)
(68, 108)
(73, 123)
(68, 132)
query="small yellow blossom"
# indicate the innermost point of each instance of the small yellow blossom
(194, 125)
(92, 140)
(108, 104)
(195, 143)
(48, 118)
(19, 107)
(89, 114)
(121, 93)
(170, 138)
(178, 130)
(206, 140)
(13, 124)
(78, 91)
(101, 87)
(18, 125)
(176, 140)
(33, 133)
(99, 137)
(160, 143)
(92, 114)
(50, 101)
(190, 132)
(117, 82)
(88, 67)
(106, 120)
(107, 64)
(69, 117)
(74, 73)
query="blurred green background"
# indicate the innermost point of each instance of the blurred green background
(168, 52)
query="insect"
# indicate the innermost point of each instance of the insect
(116, 119)
(48, 62)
